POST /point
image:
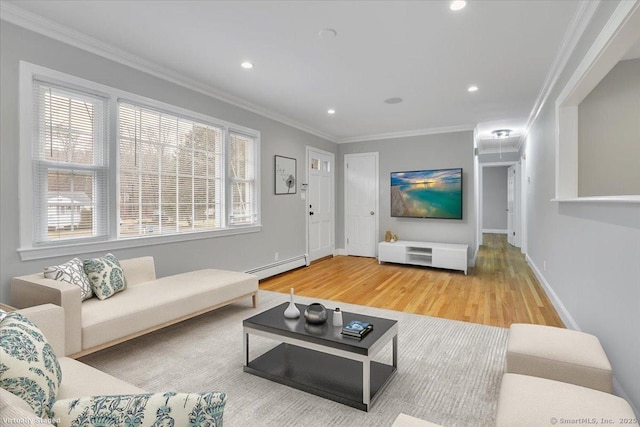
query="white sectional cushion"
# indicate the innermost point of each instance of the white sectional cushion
(558, 354)
(527, 401)
(138, 270)
(106, 276)
(163, 300)
(85, 380)
(71, 272)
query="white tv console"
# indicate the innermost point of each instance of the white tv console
(440, 255)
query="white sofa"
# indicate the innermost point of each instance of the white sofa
(79, 381)
(147, 304)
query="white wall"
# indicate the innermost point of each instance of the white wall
(494, 198)
(609, 134)
(591, 250)
(283, 217)
(440, 151)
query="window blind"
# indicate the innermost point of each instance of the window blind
(171, 173)
(70, 165)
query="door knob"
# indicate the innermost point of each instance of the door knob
(310, 213)
(371, 213)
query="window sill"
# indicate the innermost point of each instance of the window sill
(27, 254)
(600, 199)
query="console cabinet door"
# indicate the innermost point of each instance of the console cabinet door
(450, 258)
(392, 253)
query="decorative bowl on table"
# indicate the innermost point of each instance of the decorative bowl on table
(316, 314)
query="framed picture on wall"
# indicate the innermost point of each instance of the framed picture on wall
(285, 175)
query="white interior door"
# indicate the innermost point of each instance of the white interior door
(511, 192)
(321, 212)
(361, 204)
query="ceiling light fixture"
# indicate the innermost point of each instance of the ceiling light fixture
(247, 65)
(501, 133)
(472, 88)
(331, 111)
(457, 5)
(394, 100)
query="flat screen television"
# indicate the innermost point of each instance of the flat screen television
(433, 193)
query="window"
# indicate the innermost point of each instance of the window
(70, 170)
(111, 169)
(171, 173)
(243, 179)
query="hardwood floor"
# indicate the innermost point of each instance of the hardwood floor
(501, 289)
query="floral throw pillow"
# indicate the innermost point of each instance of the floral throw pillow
(140, 410)
(28, 366)
(71, 272)
(105, 275)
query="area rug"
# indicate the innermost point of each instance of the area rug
(449, 372)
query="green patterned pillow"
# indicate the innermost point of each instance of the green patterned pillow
(28, 366)
(106, 276)
(140, 410)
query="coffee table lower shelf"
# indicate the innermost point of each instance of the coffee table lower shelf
(322, 374)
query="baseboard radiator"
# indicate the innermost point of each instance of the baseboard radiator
(279, 267)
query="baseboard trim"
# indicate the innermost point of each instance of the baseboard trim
(341, 251)
(279, 267)
(566, 317)
(494, 231)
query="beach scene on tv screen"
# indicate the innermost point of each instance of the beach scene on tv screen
(427, 194)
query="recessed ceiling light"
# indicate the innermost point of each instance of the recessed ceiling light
(331, 111)
(394, 100)
(472, 88)
(327, 33)
(458, 5)
(247, 65)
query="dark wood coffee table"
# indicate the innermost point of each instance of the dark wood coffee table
(319, 359)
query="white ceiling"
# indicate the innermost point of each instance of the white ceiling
(417, 50)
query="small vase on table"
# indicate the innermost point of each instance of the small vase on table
(337, 317)
(292, 311)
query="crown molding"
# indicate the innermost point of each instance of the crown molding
(16, 15)
(578, 25)
(405, 134)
